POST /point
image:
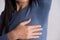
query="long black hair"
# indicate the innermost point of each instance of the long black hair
(10, 7)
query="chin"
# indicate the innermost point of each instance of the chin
(22, 0)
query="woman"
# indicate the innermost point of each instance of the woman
(24, 19)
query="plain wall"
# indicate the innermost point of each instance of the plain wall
(53, 22)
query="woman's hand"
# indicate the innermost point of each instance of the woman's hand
(22, 31)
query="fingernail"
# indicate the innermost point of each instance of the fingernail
(40, 26)
(38, 36)
(41, 29)
(40, 33)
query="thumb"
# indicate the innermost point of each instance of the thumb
(26, 22)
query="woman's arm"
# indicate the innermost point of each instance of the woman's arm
(44, 4)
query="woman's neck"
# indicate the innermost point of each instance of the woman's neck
(21, 5)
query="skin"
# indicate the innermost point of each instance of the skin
(21, 4)
(22, 0)
(22, 31)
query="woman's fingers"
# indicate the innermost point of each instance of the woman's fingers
(34, 37)
(36, 34)
(36, 30)
(34, 27)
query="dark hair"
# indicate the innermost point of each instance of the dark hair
(10, 7)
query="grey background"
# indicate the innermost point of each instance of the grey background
(53, 22)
